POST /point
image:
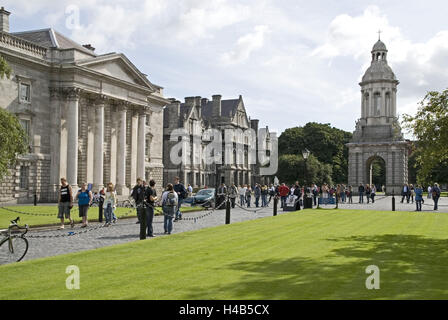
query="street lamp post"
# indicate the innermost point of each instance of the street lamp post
(305, 154)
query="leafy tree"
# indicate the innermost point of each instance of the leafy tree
(5, 69)
(292, 169)
(13, 139)
(430, 127)
(326, 143)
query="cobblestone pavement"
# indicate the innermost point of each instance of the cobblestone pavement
(56, 242)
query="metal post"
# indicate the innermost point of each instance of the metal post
(337, 201)
(393, 200)
(275, 205)
(35, 198)
(228, 211)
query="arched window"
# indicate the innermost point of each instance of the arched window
(388, 104)
(377, 104)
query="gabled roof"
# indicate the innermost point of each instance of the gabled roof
(123, 61)
(228, 108)
(50, 38)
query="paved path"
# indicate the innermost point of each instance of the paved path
(126, 230)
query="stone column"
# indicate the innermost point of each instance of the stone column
(98, 160)
(113, 144)
(90, 140)
(121, 151)
(72, 120)
(134, 145)
(393, 102)
(55, 141)
(141, 144)
(383, 102)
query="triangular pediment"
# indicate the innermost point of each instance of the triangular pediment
(240, 115)
(117, 66)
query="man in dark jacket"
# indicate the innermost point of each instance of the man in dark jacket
(298, 194)
(179, 188)
(361, 190)
(138, 193)
(257, 193)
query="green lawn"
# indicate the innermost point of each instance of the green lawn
(314, 254)
(51, 213)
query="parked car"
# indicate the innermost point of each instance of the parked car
(204, 197)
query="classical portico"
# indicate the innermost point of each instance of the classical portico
(90, 118)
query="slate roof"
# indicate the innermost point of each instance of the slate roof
(50, 38)
(227, 106)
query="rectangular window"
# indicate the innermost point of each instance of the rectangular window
(25, 92)
(24, 175)
(26, 125)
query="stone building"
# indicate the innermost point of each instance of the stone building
(198, 115)
(90, 118)
(378, 133)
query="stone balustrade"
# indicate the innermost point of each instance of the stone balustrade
(8, 40)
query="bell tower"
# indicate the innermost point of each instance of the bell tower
(378, 132)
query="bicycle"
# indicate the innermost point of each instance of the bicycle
(13, 247)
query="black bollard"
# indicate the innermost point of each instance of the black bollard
(35, 199)
(228, 211)
(393, 201)
(275, 206)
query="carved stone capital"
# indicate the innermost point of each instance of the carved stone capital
(71, 93)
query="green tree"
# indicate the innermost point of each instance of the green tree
(326, 143)
(5, 69)
(292, 169)
(13, 139)
(430, 127)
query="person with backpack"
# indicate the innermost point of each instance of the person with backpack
(179, 188)
(436, 195)
(170, 200)
(138, 193)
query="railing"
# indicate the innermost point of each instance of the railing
(8, 40)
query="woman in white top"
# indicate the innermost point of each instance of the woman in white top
(110, 203)
(242, 193)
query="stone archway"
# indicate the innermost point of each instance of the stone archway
(376, 171)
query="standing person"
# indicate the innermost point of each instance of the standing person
(373, 193)
(436, 195)
(315, 192)
(110, 203)
(361, 190)
(138, 193)
(368, 191)
(242, 193)
(257, 193)
(283, 192)
(298, 193)
(264, 196)
(272, 192)
(350, 194)
(233, 193)
(189, 190)
(169, 207)
(418, 197)
(179, 188)
(343, 194)
(150, 198)
(65, 203)
(248, 196)
(411, 192)
(429, 192)
(84, 198)
(222, 193)
(101, 194)
(405, 193)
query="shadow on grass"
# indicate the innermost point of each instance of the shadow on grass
(411, 267)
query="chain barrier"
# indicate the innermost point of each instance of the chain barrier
(250, 210)
(195, 219)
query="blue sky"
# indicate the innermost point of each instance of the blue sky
(293, 61)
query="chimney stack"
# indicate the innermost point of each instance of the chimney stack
(4, 20)
(216, 112)
(204, 101)
(190, 101)
(89, 47)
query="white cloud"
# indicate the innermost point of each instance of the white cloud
(246, 45)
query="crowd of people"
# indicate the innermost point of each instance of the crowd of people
(145, 198)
